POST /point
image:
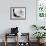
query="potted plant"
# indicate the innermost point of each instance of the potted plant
(39, 35)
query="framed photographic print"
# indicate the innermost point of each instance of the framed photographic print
(41, 8)
(41, 12)
(17, 13)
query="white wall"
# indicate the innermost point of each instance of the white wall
(24, 25)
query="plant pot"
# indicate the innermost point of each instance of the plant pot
(40, 41)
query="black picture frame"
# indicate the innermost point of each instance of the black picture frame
(23, 17)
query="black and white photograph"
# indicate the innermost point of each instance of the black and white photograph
(17, 13)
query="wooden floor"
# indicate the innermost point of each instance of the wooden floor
(13, 44)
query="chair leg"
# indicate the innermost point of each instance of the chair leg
(5, 40)
(5, 43)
